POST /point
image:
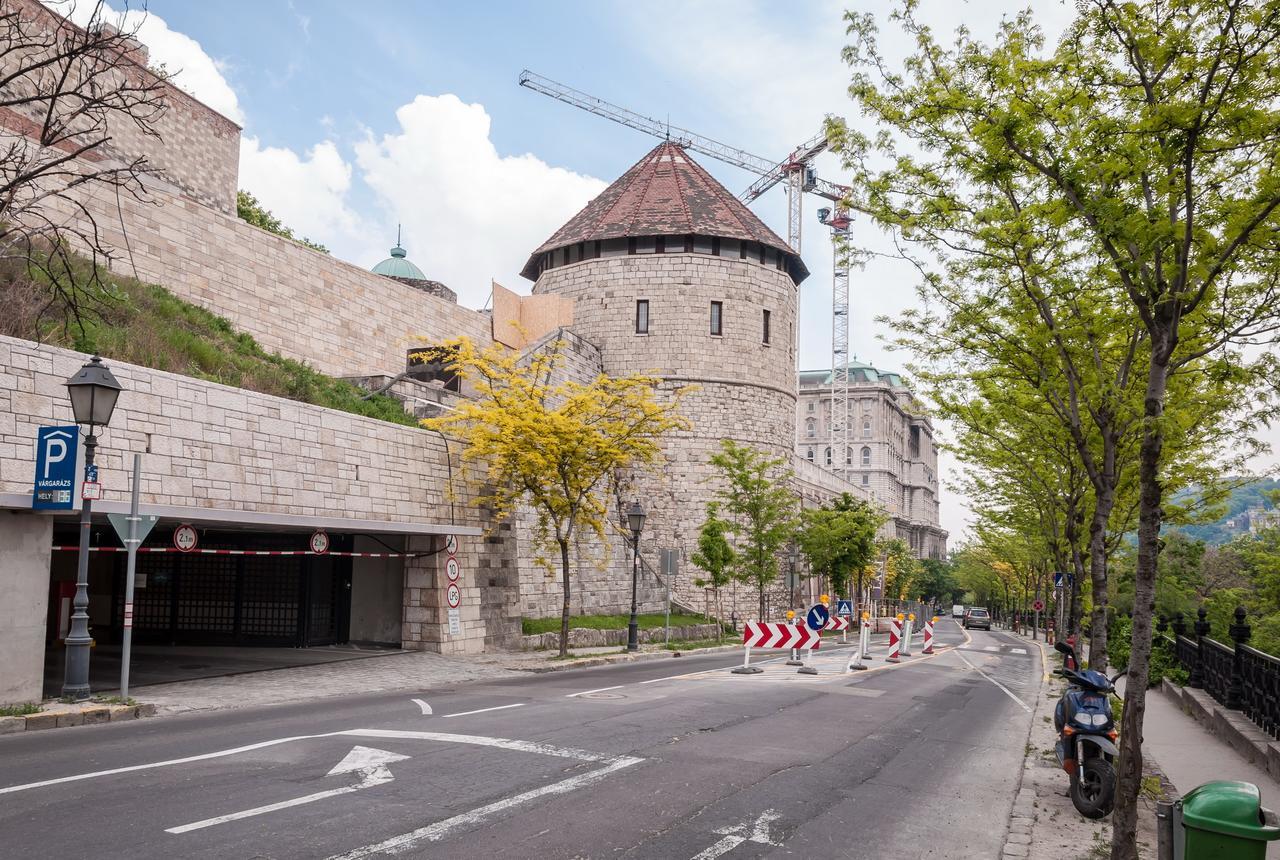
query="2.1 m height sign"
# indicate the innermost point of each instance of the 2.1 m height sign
(58, 460)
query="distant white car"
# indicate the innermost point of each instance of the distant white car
(957, 610)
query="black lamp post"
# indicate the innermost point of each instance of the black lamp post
(93, 392)
(635, 521)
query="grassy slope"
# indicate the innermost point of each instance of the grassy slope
(648, 621)
(147, 325)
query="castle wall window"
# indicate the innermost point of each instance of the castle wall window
(766, 326)
(717, 318)
(642, 316)
(702, 244)
(644, 245)
(660, 244)
(866, 456)
(615, 247)
(730, 247)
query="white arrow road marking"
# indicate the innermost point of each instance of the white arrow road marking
(437, 831)
(737, 834)
(370, 763)
(483, 710)
(426, 709)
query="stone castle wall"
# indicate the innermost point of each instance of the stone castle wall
(196, 148)
(306, 305)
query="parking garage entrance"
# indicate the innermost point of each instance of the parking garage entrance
(239, 602)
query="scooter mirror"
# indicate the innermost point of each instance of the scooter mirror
(1062, 647)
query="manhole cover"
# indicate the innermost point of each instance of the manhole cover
(602, 696)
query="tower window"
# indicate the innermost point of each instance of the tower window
(642, 316)
(717, 318)
(766, 326)
(660, 244)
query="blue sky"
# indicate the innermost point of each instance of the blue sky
(360, 116)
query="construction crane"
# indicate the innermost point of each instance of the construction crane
(797, 172)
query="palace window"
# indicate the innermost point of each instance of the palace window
(866, 428)
(828, 456)
(810, 428)
(642, 316)
(866, 456)
(866, 480)
(809, 455)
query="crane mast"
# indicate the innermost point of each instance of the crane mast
(799, 179)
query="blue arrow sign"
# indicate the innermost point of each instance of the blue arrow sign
(817, 617)
(844, 607)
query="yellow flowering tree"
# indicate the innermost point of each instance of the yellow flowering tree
(559, 445)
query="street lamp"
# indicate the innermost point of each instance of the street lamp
(635, 521)
(93, 392)
(793, 556)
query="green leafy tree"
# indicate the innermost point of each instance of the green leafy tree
(839, 539)
(716, 557)
(250, 210)
(756, 499)
(1150, 134)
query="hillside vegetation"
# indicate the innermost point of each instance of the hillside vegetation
(129, 321)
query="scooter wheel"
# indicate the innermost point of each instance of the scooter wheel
(1093, 790)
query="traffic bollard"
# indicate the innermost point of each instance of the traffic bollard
(906, 635)
(895, 639)
(864, 640)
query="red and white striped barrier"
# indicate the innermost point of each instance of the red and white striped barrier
(773, 634)
(895, 639)
(837, 623)
(927, 648)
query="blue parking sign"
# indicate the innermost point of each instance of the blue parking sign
(57, 455)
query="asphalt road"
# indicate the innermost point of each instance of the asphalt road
(918, 759)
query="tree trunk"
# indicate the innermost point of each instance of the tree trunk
(564, 611)
(761, 584)
(1124, 845)
(1098, 577)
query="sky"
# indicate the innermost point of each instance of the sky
(360, 117)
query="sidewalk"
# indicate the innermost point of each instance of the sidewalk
(1190, 756)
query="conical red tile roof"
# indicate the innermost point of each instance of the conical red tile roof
(666, 193)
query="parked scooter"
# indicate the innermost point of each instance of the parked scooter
(1086, 736)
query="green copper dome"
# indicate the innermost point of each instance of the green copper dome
(398, 266)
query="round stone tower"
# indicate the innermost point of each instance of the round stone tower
(672, 276)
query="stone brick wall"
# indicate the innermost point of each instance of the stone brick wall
(309, 306)
(213, 446)
(195, 148)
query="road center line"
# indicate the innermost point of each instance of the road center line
(1006, 690)
(597, 690)
(483, 710)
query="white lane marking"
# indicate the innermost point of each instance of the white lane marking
(990, 647)
(426, 709)
(477, 740)
(370, 763)
(1007, 691)
(482, 711)
(737, 834)
(1018, 650)
(437, 831)
(597, 690)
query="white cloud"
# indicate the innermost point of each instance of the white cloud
(182, 56)
(469, 213)
(307, 193)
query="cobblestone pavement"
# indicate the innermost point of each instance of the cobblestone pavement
(1044, 825)
(405, 670)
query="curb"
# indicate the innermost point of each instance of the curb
(88, 715)
(1231, 727)
(1022, 815)
(609, 659)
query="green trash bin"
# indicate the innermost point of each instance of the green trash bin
(1225, 821)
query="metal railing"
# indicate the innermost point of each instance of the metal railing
(1237, 676)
